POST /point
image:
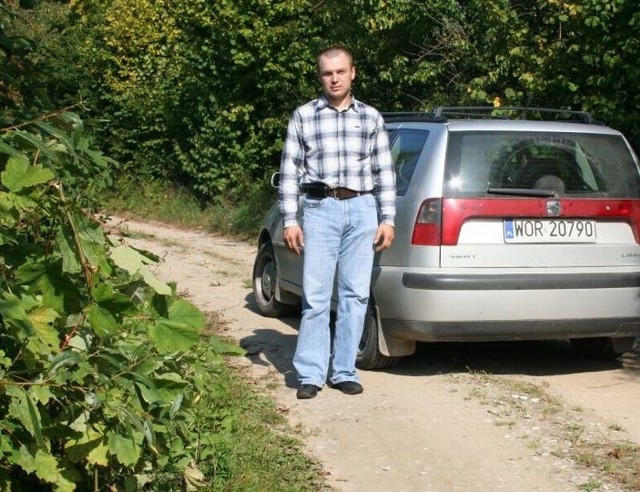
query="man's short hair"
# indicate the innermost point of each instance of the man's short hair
(334, 50)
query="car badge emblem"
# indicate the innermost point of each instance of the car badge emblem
(553, 207)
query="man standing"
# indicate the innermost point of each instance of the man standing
(337, 154)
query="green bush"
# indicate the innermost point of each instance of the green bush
(197, 92)
(101, 370)
(103, 380)
(191, 100)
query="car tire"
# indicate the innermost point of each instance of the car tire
(598, 348)
(369, 356)
(265, 280)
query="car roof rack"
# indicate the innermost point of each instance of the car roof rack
(412, 116)
(441, 114)
(512, 113)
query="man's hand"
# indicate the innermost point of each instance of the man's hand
(384, 236)
(293, 239)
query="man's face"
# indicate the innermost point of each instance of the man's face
(336, 73)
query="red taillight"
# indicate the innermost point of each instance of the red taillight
(440, 221)
(426, 230)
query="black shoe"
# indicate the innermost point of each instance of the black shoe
(307, 391)
(349, 387)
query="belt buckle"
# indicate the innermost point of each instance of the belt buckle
(333, 193)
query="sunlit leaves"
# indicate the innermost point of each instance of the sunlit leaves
(14, 314)
(178, 75)
(89, 444)
(102, 322)
(133, 262)
(21, 406)
(46, 467)
(18, 174)
(180, 331)
(126, 450)
(94, 368)
(47, 337)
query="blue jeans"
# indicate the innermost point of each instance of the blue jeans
(338, 239)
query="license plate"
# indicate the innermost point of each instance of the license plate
(549, 231)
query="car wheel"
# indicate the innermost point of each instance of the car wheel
(598, 348)
(265, 281)
(369, 355)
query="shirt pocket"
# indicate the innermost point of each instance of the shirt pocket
(357, 147)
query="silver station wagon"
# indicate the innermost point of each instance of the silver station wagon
(512, 224)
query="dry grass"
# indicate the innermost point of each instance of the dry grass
(600, 451)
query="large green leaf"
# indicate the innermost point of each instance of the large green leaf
(45, 277)
(115, 302)
(153, 282)
(126, 258)
(90, 445)
(93, 242)
(165, 388)
(66, 246)
(14, 312)
(180, 331)
(47, 338)
(59, 288)
(23, 408)
(222, 347)
(171, 336)
(37, 143)
(149, 394)
(102, 322)
(182, 311)
(125, 449)
(46, 467)
(133, 262)
(18, 174)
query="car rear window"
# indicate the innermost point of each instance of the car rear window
(567, 164)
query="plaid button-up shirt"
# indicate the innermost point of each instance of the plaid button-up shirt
(348, 149)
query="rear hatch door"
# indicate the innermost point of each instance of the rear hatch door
(526, 199)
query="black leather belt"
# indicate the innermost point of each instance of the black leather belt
(337, 193)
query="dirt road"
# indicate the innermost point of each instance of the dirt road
(468, 417)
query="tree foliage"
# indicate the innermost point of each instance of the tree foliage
(199, 91)
(103, 381)
(197, 87)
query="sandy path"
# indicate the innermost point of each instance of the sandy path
(427, 425)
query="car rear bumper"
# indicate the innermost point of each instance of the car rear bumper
(464, 306)
(478, 331)
(523, 281)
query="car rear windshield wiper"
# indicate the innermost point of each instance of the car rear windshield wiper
(522, 192)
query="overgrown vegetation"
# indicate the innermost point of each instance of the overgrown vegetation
(108, 380)
(174, 204)
(197, 92)
(106, 377)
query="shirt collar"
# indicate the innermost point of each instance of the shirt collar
(323, 103)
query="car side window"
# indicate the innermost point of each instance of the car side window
(406, 146)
